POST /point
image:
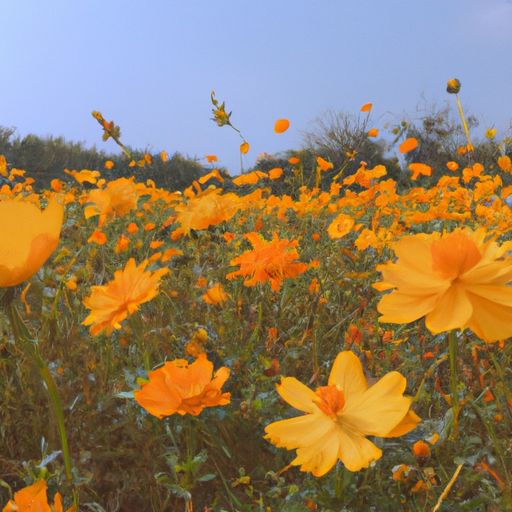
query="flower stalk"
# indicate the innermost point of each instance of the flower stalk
(452, 350)
(29, 347)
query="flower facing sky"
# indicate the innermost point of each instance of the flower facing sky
(34, 499)
(110, 304)
(270, 261)
(29, 236)
(339, 416)
(455, 280)
(183, 388)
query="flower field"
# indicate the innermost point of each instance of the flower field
(295, 339)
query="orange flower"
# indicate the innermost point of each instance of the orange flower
(281, 125)
(29, 236)
(244, 147)
(504, 163)
(455, 280)
(373, 132)
(452, 166)
(183, 388)
(84, 176)
(34, 499)
(408, 145)
(164, 156)
(275, 173)
(268, 261)
(250, 178)
(419, 169)
(211, 158)
(97, 237)
(294, 160)
(108, 165)
(340, 226)
(366, 107)
(339, 416)
(216, 295)
(323, 164)
(110, 304)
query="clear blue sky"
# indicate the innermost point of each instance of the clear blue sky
(150, 66)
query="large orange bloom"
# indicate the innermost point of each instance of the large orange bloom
(34, 499)
(110, 304)
(455, 280)
(29, 236)
(183, 388)
(340, 415)
(268, 261)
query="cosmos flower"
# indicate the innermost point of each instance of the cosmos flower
(29, 237)
(455, 280)
(268, 261)
(112, 303)
(339, 416)
(33, 498)
(183, 388)
(281, 125)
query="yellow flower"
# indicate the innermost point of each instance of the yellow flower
(110, 304)
(490, 133)
(340, 226)
(340, 415)
(455, 280)
(453, 86)
(29, 236)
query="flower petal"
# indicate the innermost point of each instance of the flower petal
(490, 321)
(356, 452)
(397, 307)
(379, 409)
(451, 312)
(297, 394)
(347, 374)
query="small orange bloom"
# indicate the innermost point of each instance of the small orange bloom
(183, 388)
(97, 237)
(323, 164)
(34, 499)
(281, 125)
(275, 173)
(452, 166)
(419, 169)
(421, 450)
(408, 145)
(294, 160)
(211, 158)
(366, 107)
(108, 165)
(340, 226)
(216, 295)
(268, 261)
(373, 132)
(244, 147)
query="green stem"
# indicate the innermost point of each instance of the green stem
(25, 343)
(463, 119)
(452, 349)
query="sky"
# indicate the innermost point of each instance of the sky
(151, 65)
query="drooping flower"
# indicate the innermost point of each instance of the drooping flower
(29, 236)
(455, 280)
(33, 498)
(340, 415)
(111, 303)
(183, 388)
(216, 295)
(268, 261)
(323, 164)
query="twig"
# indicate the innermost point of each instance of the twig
(447, 488)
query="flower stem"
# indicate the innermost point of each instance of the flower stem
(30, 349)
(452, 349)
(463, 119)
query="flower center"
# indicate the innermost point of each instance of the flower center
(454, 255)
(330, 400)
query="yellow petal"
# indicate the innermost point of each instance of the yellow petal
(356, 452)
(451, 312)
(297, 394)
(347, 374)
(400, 308)
(298, 432)
(379, 409)
(490, 321)
(409, 422)
(319, 457)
